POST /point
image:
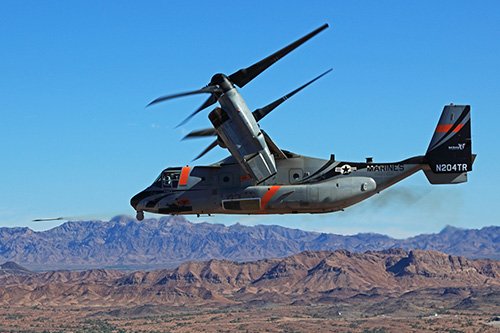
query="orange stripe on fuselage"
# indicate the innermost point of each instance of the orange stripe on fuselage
(443, 128)
(268, 196)
(183, 180)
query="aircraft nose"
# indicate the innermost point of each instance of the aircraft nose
(136, 199)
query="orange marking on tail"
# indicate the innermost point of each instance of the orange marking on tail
(458, 128)
(444, 128)
(184, 176)
(268, 196)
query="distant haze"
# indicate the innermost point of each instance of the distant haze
(124, 242)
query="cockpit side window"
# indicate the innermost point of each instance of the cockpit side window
(169, 178)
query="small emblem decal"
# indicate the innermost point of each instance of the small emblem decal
(183, 202)
(459, 146)
(345, 169)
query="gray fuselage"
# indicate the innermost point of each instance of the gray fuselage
(301, 185)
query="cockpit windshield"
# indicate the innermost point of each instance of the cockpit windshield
(169, 178)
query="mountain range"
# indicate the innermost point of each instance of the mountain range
(125, 243)
(417, 278)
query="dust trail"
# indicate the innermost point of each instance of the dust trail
(432, 201)
(398, 196)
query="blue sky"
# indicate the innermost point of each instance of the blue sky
(75, 77)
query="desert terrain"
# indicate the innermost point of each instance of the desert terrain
(332, 291)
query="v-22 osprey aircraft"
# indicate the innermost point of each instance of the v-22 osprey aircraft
(261, 178)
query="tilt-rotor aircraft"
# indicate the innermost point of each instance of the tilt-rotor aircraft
(261, 178)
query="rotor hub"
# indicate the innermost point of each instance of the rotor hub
(222, 81)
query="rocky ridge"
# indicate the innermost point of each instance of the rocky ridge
(126, 243)
(307, 277)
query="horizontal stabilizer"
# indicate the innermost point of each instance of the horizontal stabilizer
(445, 178)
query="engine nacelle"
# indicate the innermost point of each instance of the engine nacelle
(237, 129)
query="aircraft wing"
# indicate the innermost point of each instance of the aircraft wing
(275, 150)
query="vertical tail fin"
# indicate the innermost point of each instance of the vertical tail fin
(450, 151)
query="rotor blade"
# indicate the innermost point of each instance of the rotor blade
(209, 148)
(204, 90)
(264, 111)
(211, 100)
(200, 133)
(245, 75)
(45, 219)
